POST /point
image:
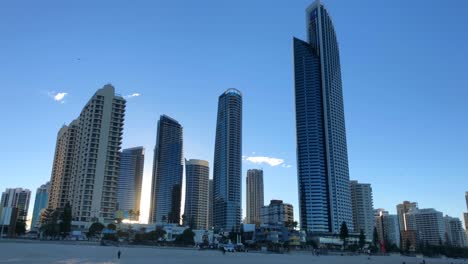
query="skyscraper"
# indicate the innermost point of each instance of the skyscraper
(363, 211)
(227, 162)
(455, 234)
(210, 204)
(17, 198)
(322, 156)
(402, 210)
(254, 185)
(429, 225)
(387, 227)
(86, 162)
(196, 213)
(130, 179)
(40, 203)
(167, 172)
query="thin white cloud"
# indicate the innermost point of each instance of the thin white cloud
(58, 96)
(132, 95)
(284, 165)
(264, 160)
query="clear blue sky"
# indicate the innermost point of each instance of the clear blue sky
(404, 69)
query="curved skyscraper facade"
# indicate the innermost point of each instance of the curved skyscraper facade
(323, 175)
(227, 162)
(197, 177)
(167, 173)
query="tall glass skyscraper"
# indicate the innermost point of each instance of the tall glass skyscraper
(167, 172)
(130, 179)
(40, 203)
(322, 156)
(227, 162)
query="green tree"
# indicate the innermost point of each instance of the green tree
(186, 238)
(65, 220)
(20, 228)
(95, 228)
(344, 233)
(362, 239)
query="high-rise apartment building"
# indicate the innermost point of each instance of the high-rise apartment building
(196, 213)
(17, 198)
(86, 163)
(455, 234)
(166, 190)
(210, 204)
(130, 180)
(429, 225)
(40, 203)
(227, 169)
(363, 211)
(387, 227)
(322, 155)
(402, 210)
(277, 213)
(254, 186)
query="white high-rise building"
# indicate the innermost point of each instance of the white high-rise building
(17, 198)
(254, 185)
(455, 234)
(363, 211)
(277, 213)
(429, 225)
(86, 163)
(196, 211)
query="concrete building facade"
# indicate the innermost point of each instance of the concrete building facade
(277, 213)
(17, 198)
(429, 225)
(86, 162)
(454, 233)
(363, 211)
(196, 213)
(254, 186)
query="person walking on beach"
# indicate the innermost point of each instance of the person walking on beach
(118, 254)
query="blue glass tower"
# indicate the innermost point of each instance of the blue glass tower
(40, 203)
(130, 180)
(227, 162)
(167, 173)
(322, 156)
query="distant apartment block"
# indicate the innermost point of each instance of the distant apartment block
(387, 227)
(362, 203)
(196, 213)
(429, 225)
(254, 185)
(455, 234)
(402, 209)
(17, 198)
(277, 213)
